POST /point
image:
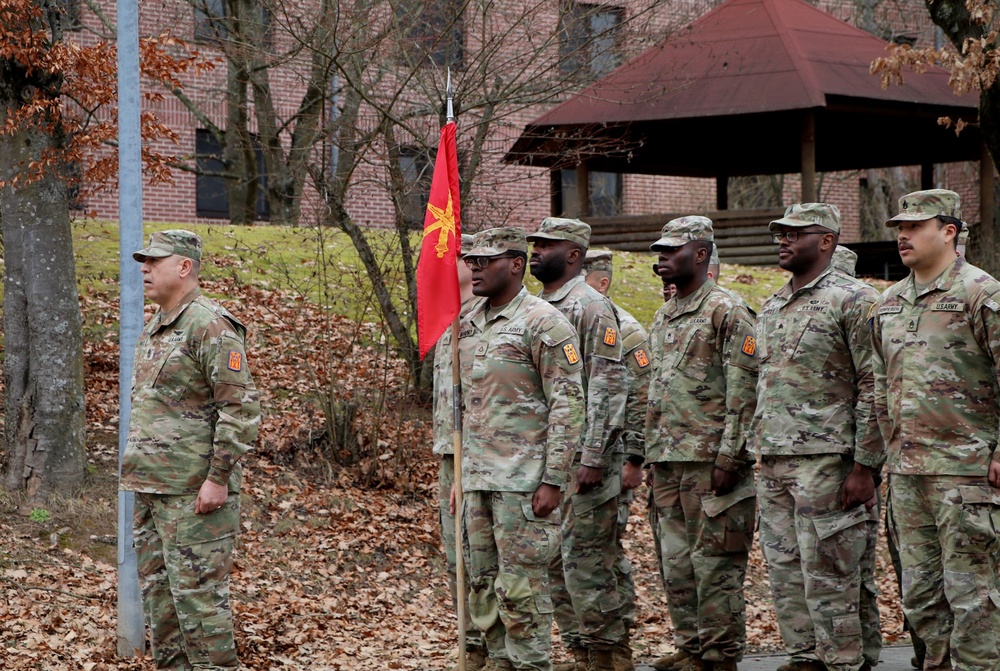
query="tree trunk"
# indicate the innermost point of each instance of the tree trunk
(43, 363)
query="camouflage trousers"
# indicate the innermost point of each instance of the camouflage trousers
(813, 551)
(703, 554)
(508, 551)
(184, 561)
(871, 622)
(946, 532)
(446, 477)
(623, 567)
(584, 585)
(919, 649)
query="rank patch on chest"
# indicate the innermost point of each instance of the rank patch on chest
(749, 345)
(610, 336)
(641, 358)
(570, 351)
(235, 360)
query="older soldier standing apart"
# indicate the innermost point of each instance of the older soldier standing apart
(524, 416)
(475, 657)
(585, 591)
(819, 443)
(195, 413)
(937, 344)
(598, 273)
(701, 402)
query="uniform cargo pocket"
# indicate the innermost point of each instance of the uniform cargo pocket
(976, 522)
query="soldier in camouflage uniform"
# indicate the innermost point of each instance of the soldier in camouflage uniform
(523, 402)
(701, 401)
(585, 591)
(195, 413)
(444, 445)
(819, 443)
(597, 271)
(844, 261)
(936, 336)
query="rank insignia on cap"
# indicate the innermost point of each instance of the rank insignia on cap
(641, 358)
(235, 360)
(749, 346)
(610, 337)
(570, 352)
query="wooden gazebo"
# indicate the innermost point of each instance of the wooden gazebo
(753, 87)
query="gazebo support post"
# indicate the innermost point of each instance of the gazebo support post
(809, 158)
(926, 176)
(986, 189)
(721, 192)
(583, 189)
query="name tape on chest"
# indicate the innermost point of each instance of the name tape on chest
(951, 306)
(514, 330)
(235, 360)
(173, 340)
(890, 309)
(610, 336)
(641, 358)
(570, 351)
(813, 308)
(466, 333)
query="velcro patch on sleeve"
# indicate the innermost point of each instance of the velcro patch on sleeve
(571, 354)
(641, 358)
(749, 345)
(610, 336)
(235, 360)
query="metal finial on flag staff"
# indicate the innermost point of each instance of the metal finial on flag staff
(450, 111)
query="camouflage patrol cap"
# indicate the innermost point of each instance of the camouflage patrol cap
(680, 231)
(167, 243)
(714, 259)
(924, 205)
(497, 241)
(844, 260)
(801, 215)
(597, 260)
(558, 228)
(467, 239)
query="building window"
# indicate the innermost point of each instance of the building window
(417, 169)
(210, 24)
(433, 31)
(605, 193)
(210, 184)
(589, 38)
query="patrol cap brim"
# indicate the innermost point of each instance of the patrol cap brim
(668, 241)
(485, 251)
(792, 223)
(911, 216)
(151, 253)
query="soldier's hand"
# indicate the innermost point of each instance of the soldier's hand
(723, 481)
(649, 475)
(995, 473)
(587, 478)
(545, 500)
(211, 497)
(859, 487)
(631, 476)
(451, 499)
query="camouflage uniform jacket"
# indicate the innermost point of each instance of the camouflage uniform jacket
(702, 396)
(444, 415)
(635, 351)
(604, 380)
(816, 389)
(195, 409)
(936, 373)
(522, 394)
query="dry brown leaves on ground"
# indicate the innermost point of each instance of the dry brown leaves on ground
(329, 574)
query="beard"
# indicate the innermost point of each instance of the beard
(550, 270)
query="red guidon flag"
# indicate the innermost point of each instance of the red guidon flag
(438, 299)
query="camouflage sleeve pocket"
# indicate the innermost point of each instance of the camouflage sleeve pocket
(560, 336)
(232, 363)
(608, 341)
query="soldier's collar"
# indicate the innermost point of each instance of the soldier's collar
(693, 301)
(479, 318)
(168, 318)
(562, 291)
(942, 283)
(786, 291)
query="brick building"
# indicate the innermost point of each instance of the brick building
(585, 38)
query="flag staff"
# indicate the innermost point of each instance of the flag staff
(456, 401)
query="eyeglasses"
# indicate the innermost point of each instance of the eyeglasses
(482, 261)
(792, 236)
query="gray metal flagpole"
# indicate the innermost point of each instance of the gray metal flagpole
(456, 400)
(131, 639)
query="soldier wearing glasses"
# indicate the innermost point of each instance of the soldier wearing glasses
(523, 401)
(819, 443)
